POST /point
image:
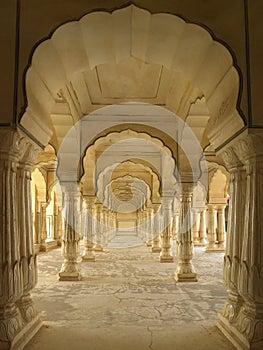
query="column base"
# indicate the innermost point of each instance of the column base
(235, 337)
(70, 272)
(26, 334)
(149, 243)
(43, 248)
(200, 244)
(69, 276)
(89, 257)
(156, 249)
(214, 250)
(166, 259)
(15, 331)
(185, 277)
(98, 247)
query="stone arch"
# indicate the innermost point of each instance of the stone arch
(142, 189)
(156, 185)
(160, 39)
(90, 163)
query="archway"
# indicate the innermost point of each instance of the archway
(199, 77)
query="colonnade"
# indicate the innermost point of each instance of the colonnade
(241, 318)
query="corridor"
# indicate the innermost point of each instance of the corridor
(127, 300)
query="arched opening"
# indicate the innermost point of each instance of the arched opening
(145, 76)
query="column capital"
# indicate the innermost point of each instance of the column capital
(246, 146)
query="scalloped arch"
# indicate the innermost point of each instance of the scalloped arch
(153, 38)
(89, 163)
(139, 166)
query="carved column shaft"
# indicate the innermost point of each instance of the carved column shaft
(70, 270)
(156, 233)
(221, 227)
(88, 254)
(17, 259)
(212, 226)
(98, 227)
(165, 255)
(196, 225)
(184, 243)
(43, 235)
(242, 316)
(202, 228)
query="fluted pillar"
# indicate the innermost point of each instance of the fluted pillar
(212, 226)
(156, 232)
(38, 225)
(88, 234)
(70, 270)
(184, 243)
(175, 226)
(43, 233)
(196, 225)
(97, 218)
(202, 228)
(165, 255)
(59, 227)
(221, 227)
(241, 319)
(150, 213)
(19, 320)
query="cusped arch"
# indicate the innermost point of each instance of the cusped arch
(105, 178)
(162, 39)
(92, 166)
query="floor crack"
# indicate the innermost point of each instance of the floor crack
(151, 339)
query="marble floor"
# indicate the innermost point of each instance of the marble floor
(128, 300)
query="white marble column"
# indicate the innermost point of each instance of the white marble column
(37, 224)
(175, 225)
(150, 213)
(70, 270)
(156, 232)
(165, 254)
(212, 225)
(59, 227)
(241, 319)
(221, 227)
(19, 320)
(43, 233)
(202, 228)
(196, 225)
(184, 243)
(97, 219)
(88, 234)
